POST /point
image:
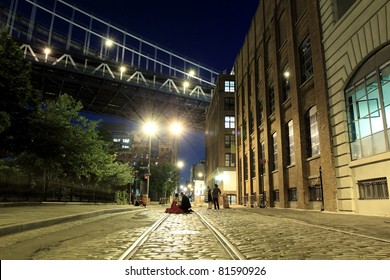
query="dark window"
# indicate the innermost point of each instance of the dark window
(282, 34)
(315, 193)
(271, 98)
(305, 57)
(229, 104)
(260, 112)
(292, 194)
(229, 140)
(373, 188)
(342, 6)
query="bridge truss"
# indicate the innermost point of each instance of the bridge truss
(112, 71)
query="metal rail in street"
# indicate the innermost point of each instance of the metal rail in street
(231, 250)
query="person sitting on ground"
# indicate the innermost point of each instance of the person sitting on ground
(139, 202)
(174, 209)
(185, 204)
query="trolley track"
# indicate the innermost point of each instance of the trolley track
(230, 251)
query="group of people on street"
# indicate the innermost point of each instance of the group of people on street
(180, 206)
(183, 205)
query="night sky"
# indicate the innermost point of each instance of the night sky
(211, 32)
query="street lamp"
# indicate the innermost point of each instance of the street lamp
(122, 69)
(47, 51)
(185, 85)
(150, 129)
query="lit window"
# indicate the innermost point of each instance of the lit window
(229, 121)
(275, 150)
(368, 109)
(290, 141)
(126, 140)
(229, 86)
(313, 135)
(116, 140)
(230, 160)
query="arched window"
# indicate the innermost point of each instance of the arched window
(368, 109)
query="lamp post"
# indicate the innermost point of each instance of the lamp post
(150, 129)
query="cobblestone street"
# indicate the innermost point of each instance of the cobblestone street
(274, 238)
(258, 234)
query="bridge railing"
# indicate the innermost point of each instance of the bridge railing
(57, 22)
(110, 70)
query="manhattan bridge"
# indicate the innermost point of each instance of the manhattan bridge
(111, 71)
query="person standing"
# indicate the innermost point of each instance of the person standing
(209, 197)
(216, 193)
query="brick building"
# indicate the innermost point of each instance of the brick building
(313, 106)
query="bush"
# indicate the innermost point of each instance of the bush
(121, 198)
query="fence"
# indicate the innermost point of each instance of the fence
(24, 188)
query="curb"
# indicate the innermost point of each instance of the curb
(53, 221)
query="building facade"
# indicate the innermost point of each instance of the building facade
(313, 106)
(220, 167)
(284, 147)
(197, 181)
(357, 57)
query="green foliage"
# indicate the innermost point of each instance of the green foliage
(50, 139)
(122, 198)
(163, 179)
(5, 121)
(17, 97)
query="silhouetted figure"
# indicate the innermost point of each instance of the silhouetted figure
(216, 193)
(209, 197)
(185, 204)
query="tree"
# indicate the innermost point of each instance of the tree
(67, 145)
(17, 97)
(163, 179)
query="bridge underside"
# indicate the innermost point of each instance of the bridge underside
(105, 96)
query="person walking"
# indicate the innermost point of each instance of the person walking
(209, 197)
(216, 193)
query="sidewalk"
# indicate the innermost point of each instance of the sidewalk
(374, 226)
(18, 217)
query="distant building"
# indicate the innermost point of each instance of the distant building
(133, 148)
(197, 181)
(220, 166)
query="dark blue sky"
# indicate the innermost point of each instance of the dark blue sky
(211, 32)
(208, 31)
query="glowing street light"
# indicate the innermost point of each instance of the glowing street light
(46, 51)
(180, 164)
(122, 69)
(191, 73)
(109, 43)
(176, 128)
(185, 85)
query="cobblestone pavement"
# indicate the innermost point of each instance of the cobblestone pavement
(182, 237)
(258, 234)
(276, 238)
